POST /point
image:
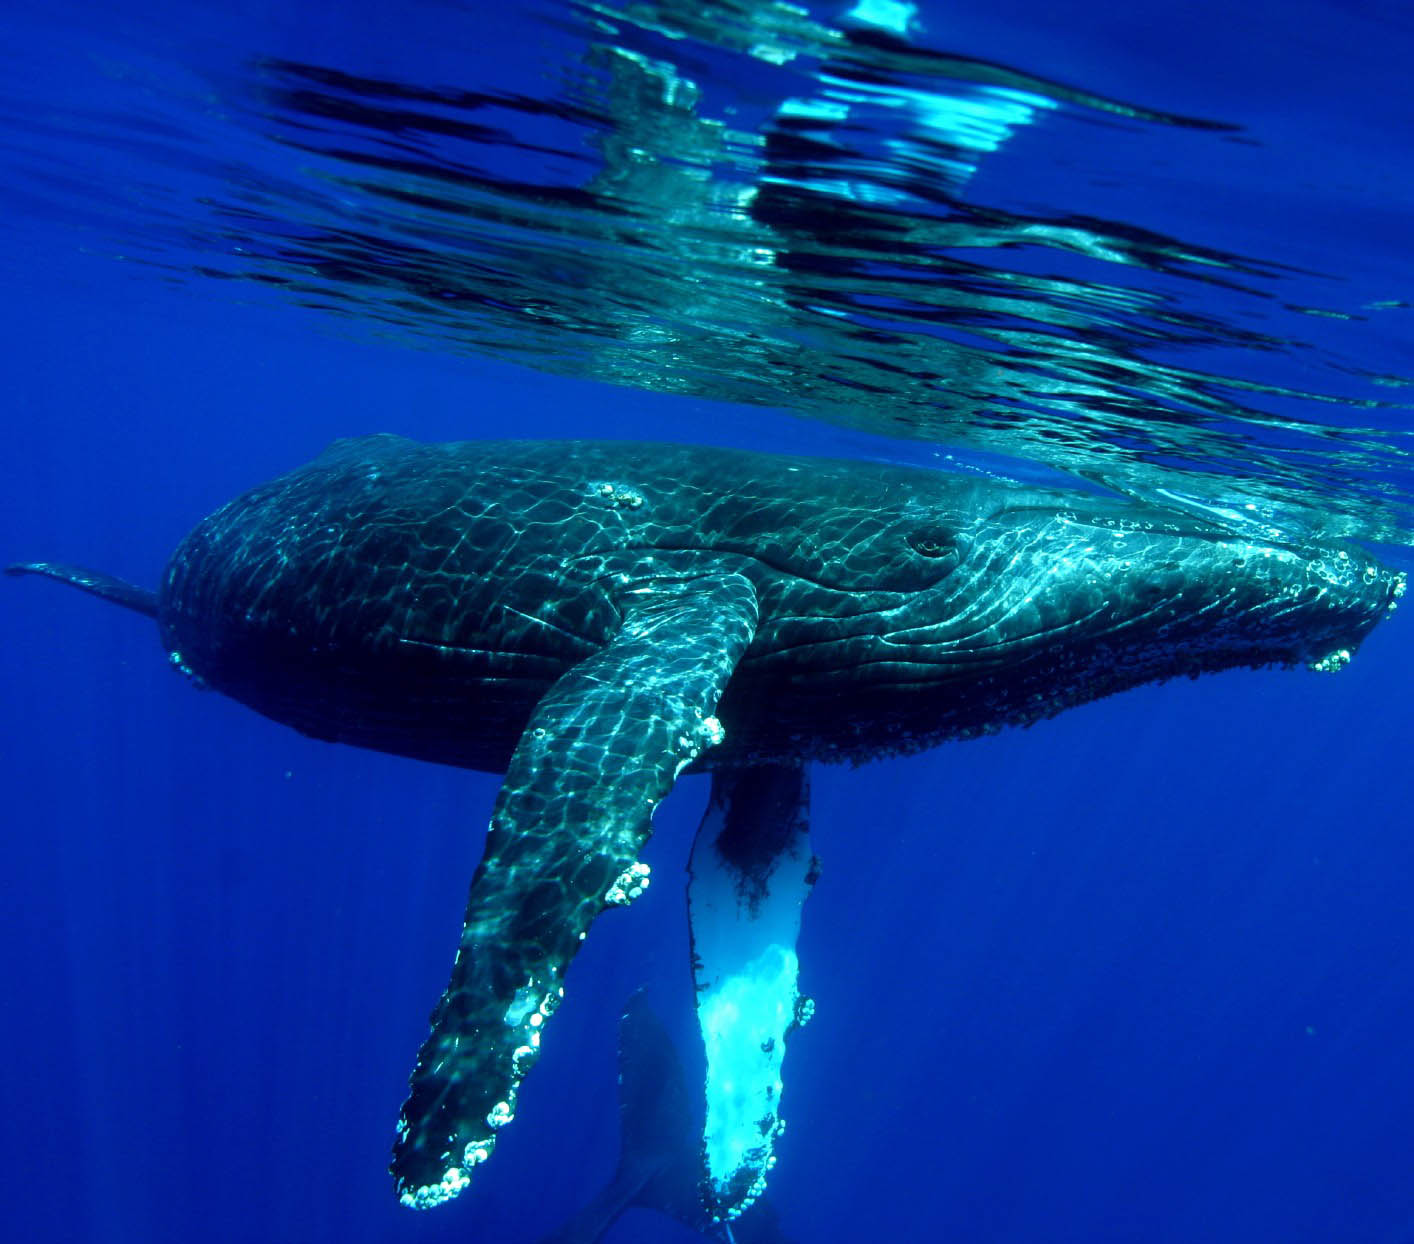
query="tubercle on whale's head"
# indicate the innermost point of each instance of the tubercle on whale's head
(1109, 593)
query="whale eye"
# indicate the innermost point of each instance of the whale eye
(933, 542)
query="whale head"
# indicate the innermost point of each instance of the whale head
(1053, 599)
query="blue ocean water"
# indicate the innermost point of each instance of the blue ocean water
(1143, 972)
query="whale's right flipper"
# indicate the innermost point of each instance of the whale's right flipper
(601, 749)
(95, 582)
(752, 870)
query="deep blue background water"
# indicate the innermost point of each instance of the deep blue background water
(1145, 972)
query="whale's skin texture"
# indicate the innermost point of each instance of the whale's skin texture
(593, 618)
(422, 599)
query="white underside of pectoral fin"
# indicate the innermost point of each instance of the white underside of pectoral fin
(751, 871)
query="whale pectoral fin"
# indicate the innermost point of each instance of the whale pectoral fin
(752, 870)
(601, 750)
(95, 583)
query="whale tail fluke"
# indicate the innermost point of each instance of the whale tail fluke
(658, 1144)
(95, 582)
(660, 1153)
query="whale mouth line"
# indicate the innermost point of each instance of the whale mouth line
(999, 648)
(992, 647)
(998, 653)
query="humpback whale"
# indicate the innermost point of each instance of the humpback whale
(594, 619)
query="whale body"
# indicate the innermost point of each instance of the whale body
(592, 619)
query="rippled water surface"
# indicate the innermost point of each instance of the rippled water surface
(1047, 241)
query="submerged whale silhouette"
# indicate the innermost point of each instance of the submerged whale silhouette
(658, 1151)
(594, 618)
